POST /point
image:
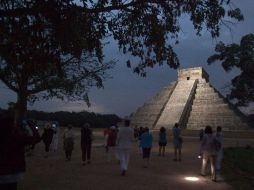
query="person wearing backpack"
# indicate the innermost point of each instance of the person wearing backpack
(208, 152)
(219, 155)
(146, 145)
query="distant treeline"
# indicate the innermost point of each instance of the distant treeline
(77, 119)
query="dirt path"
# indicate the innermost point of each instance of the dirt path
(54, 172)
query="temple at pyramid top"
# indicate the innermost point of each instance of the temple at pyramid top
(192, 102)
(192, 74)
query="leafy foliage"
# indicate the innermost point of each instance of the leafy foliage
(55, 47)
(48, 51)
(242, 57)
(145, 28)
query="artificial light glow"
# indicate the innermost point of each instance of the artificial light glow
(191, 178)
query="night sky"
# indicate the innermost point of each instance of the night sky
(124, 92)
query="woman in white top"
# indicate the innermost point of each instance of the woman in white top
(124, 142)
(208, 152)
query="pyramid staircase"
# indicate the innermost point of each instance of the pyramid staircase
(210, 108)
(193, 103)
(177, 103)
(148, 114)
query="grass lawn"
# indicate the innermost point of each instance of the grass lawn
(238, 167)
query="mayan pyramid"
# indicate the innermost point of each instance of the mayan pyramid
(192, 102)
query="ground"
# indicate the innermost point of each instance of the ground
(55, 172)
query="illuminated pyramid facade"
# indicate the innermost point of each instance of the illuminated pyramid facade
(192, 102)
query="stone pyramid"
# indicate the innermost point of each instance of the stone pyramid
(192, 102)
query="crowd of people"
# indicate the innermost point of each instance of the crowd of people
(117, 142)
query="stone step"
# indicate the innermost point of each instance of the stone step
(208, 101)
(203, 107)
(224, 127)
(205, 85)
(217, 123)
(200, 110)
(208, 93)
(228, 113)
(207, 96)
(205, 90)
(198, 127)
(211, 114)
(215, 120)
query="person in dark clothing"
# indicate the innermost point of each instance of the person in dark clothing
(12, 150)
(201, 134)
(86, 143)
(68, 138)
(140, 132)
(47, 137)
(136, 132)
(30, 148)
(162, 141)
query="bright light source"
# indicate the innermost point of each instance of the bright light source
(191, 178)
(199, 157)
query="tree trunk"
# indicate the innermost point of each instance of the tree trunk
(21, 107)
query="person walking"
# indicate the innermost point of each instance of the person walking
(111, 143)
(116, 147)
(105, 135)
(177, 141)
(12, 152)
(136, 132)
(208, 152)
(146, 145)
(86, 143)
(68, 140)
(201, 134)
(55, 127)
(140, 132)
(162, 141)
(124, 142)
(219, 155)
(47, 137)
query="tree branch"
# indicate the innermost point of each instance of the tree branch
(9, 85)
(33, 11)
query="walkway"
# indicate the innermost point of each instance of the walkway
(55, 173)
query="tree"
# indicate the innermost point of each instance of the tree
(55, 47)
(240, 56)
(47, 55)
